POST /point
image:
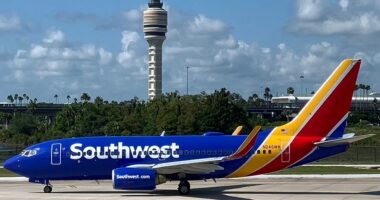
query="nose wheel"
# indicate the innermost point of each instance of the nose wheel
(184, 187)
(48, 189)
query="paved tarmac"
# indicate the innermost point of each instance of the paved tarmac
(262, 188)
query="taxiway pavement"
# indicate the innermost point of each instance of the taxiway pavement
(248, 188)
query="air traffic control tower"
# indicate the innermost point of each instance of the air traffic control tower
(155, 28)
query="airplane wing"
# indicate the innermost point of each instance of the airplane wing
(202, 165)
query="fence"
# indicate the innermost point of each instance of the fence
(356, 155)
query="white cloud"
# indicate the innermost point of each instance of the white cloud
(344, 4)
(127, 53)
(54, 37)
(54, 61)
(217, 58)
(367, 23)
(12, 23)
(314, 17)
(309, 9)
(204, 25)
(227, 42)
(105, 56)
(38, 51)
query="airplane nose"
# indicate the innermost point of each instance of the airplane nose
(11, 164)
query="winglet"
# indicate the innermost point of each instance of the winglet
(237, 131)
(163, 133)
(246, 146)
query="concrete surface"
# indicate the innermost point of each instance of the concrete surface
(268, 189)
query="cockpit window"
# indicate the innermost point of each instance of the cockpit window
(28, 153)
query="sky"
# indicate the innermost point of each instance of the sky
(70, 47)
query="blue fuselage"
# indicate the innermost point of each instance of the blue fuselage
(96, 157)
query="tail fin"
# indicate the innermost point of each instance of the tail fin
(324, 114)
(320, 118)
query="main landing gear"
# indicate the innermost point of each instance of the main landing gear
(184, 187)
(48, 188)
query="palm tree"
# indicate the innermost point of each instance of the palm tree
(26, 98)
(361, 87)
(20, 99)
(266, 93)
(68, 99)
(255, 97)
(356, 95)
(367, 88)
(75, 100)
(98, 101)
(10, 98)
(85, 97)
(290, 90)
(16, 97)
(56, 98)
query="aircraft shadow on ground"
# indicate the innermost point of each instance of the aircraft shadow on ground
(218, 192)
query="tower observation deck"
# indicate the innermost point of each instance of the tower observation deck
(155, 28)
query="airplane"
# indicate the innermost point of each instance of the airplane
(142, 162)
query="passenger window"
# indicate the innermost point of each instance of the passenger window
(258, 152)
(270, 151)
(264, 151)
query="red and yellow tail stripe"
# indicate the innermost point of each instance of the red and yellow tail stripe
(247, 145)
(328, 106)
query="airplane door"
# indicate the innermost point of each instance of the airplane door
(285, 155)
(56, 154)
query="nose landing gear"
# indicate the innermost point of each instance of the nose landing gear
(184, 187)
(48, 189)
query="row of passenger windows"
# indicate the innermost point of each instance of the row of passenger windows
(180, 152)
(264, 151)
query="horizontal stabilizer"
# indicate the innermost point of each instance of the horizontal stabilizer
(344, 140)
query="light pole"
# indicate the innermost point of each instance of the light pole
(187, 80)
(302, 77)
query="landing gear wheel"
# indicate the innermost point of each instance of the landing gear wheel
(184, 188)
(48, 189)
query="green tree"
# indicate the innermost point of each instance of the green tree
(56, 98)
(20, 99)
(10, 98)
(290, 90)
(85, 97)
(68, 99)
(266, 93)
(15, 98)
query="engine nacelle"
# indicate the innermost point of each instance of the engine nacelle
(133, 179)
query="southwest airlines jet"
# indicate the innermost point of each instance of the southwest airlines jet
(141, 163)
